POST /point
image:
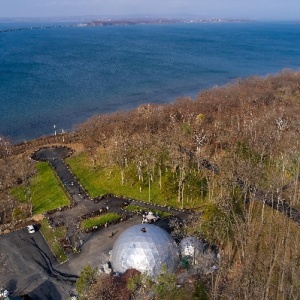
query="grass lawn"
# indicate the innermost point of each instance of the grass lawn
(45, 190)
(108, 181)
(90, 179)
(136, 209)
(53, 236)
(99, 220)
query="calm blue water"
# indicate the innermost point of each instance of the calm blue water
(62, 76)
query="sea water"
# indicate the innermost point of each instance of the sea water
(54, 78)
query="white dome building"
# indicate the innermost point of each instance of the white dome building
(146, 248)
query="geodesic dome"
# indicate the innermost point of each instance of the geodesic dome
(146, 248)
(190, 246)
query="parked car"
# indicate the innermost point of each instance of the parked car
(30, 229)
(4, 293)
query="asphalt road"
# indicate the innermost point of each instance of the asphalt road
(96, 246)
(48, 154)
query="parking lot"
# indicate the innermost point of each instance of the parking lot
(27, 265)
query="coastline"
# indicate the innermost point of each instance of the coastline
(96, 70)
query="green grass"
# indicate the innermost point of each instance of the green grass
(99, 220)
(45, 190)
(161, 214)
(90, 179)
(136, 209)
(108, 181)
(52, 236)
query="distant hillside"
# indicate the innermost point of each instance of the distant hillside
(135, 21)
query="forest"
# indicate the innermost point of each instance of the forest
(231, 155)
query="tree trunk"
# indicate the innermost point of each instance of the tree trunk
(160, 178)
(149, 183)
(122, 177)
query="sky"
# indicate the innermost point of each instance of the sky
(248, 9)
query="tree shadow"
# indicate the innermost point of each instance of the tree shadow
(12, 285)
(46, 290)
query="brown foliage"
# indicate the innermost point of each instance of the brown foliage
(251, 110)
(111, 287)
(14, 170)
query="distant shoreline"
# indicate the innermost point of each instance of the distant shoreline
(133, 21)
(120, 22)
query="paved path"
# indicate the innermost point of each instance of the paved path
(272, 200)
(83, 204)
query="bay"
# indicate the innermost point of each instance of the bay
(62, 76)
